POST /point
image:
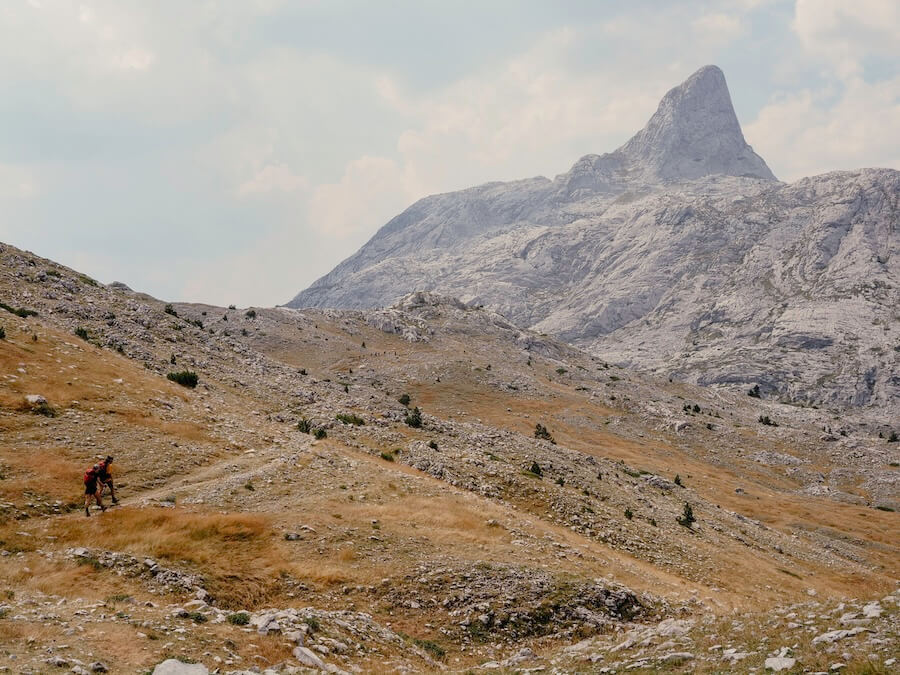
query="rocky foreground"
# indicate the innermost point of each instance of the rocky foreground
(420, 488)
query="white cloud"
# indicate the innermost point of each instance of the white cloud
(371, 190)
(807, 133)
(272, 178)
(845, 32)
(17, 182)
(717, 28)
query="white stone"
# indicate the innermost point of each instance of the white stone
(176, 667)
(777, 663)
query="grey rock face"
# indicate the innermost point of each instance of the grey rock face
(677, 253)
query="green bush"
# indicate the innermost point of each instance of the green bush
(350, 418)
(320, 433)
(168, 309)
(540, 431)
(432, 648)
(687, 516)
(764, 419)
(386, 456)
(536, 469)
(82, 333)
(629, 514)
(186, 378)
(239, 619)
(414, 419)
(18, 311)
(44, 409)
(404, 400)
(305, 426)
(678, 480)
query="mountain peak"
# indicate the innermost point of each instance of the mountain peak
(695, 132)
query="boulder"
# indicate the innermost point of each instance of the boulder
(778, 663)
(308, 658)
(176, 667)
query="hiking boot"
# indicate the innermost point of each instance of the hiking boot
(87, 511)
(102, 508)
(115, 501)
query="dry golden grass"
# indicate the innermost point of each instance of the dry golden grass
(186, 431)
(49, 472)
(64, 369)
(234, 552)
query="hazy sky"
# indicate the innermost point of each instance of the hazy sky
(234, 151)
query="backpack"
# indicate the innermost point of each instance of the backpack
(89, 476)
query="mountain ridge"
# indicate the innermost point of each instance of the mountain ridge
(637, 259)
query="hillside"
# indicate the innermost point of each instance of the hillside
(463, 542)
(679, 253)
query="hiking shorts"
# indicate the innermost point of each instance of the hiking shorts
(90, 488)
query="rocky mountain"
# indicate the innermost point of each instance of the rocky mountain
(679, 253)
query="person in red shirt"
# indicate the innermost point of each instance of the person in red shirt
(91, 490)
(104, 478)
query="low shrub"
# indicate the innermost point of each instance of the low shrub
(45, 409)
(893, 437)
(754, 391)
(432, 445)
(764, 419)
(541, 432)
(536, 469)
(18, 311)
(186, 378)
(432, 648)
(320, 433)
(629, 514)
(386, 456)
(250, 313)
(305, 426)
(82, 333)
(239, 619)
(168, 309)
(414, 419)
(404, 400)
(350, 418)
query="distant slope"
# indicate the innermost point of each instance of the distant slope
(678, 252)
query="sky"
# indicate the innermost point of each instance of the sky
(233, 151)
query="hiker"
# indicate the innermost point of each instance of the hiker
(105, 479)
(91, 489)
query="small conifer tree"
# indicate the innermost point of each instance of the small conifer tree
(687, 516)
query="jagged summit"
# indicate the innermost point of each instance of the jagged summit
(695, 133)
